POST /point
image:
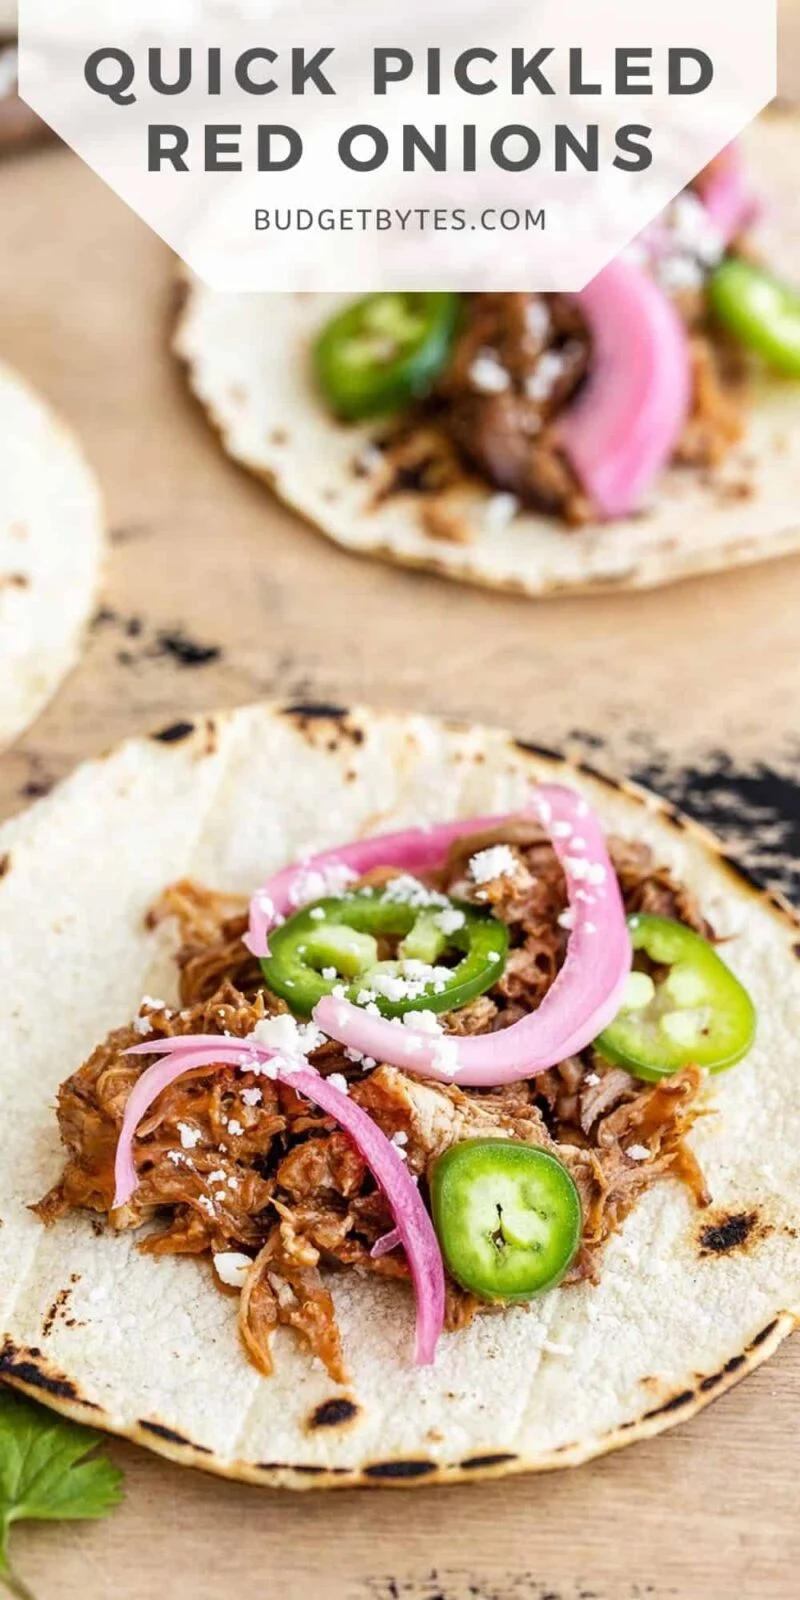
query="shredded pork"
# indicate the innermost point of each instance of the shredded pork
(518, 362)
(233, 1161)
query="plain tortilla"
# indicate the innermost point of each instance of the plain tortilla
(248, 363)
(51, 544)
(687, 1303)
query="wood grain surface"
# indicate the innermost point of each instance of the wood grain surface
(214, 594)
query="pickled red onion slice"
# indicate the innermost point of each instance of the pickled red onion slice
(411, 850)
(625, 424)
(384, 1246)
(725, 193)
(413, 1224)
(583, 1000)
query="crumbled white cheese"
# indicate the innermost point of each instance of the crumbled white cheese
(496, 862)
(189, 1136)
(252, 1097)
(567, 918)
(235, 1127)
(445, 1055)
(591, 1078)
(398, 1140)
(314, 883)
(638, 1152)
(587, 871)
(487, 374)
(411, 982)
(232, 1268)
(330, 974)
(142, 1025)
(690, 224)
(207, 1205)
(154, 1005)
(449, 920)
(551, 366)
(561, 830)
(175, 1157)
(289, 1037)
(537, 318)
(500, 509)
(676, 272)
(337, 1080)
(369, 459)
(407, 890)
(421, 1022)
(219, 1176)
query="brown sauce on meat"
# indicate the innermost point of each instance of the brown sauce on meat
(231, 1161)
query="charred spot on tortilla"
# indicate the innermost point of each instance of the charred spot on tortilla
(608, 781)
(764, 1334)
(177, 644)
(498, 1458)
(675, 1403)
(175, 733)
(5, 863)
(400, 1469)
(543, 752)
(14, 580)
(316, 710)
(37, 787)
(59, 1306)
(337, 1413)
(27, 1367)
(713, 1381)
(729, 1233)
(171, 1436)
(308, 715)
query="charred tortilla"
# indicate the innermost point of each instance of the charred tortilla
(251, 369)
(687, 1301)
(51, 541)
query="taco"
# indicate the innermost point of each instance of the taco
(357, 1024)
(51, 543)
(624, 437)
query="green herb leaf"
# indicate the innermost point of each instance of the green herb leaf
(48, 1475)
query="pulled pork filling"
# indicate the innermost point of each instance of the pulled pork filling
(232, 1161)
(518, 362)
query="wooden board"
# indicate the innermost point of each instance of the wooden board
(697, 686)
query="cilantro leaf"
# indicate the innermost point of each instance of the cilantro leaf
(47, 1474)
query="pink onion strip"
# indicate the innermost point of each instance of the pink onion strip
(623, 428)
(411, 849)
(413, 1224)
(583, 1000)
(384, 1246)
(727, 198)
